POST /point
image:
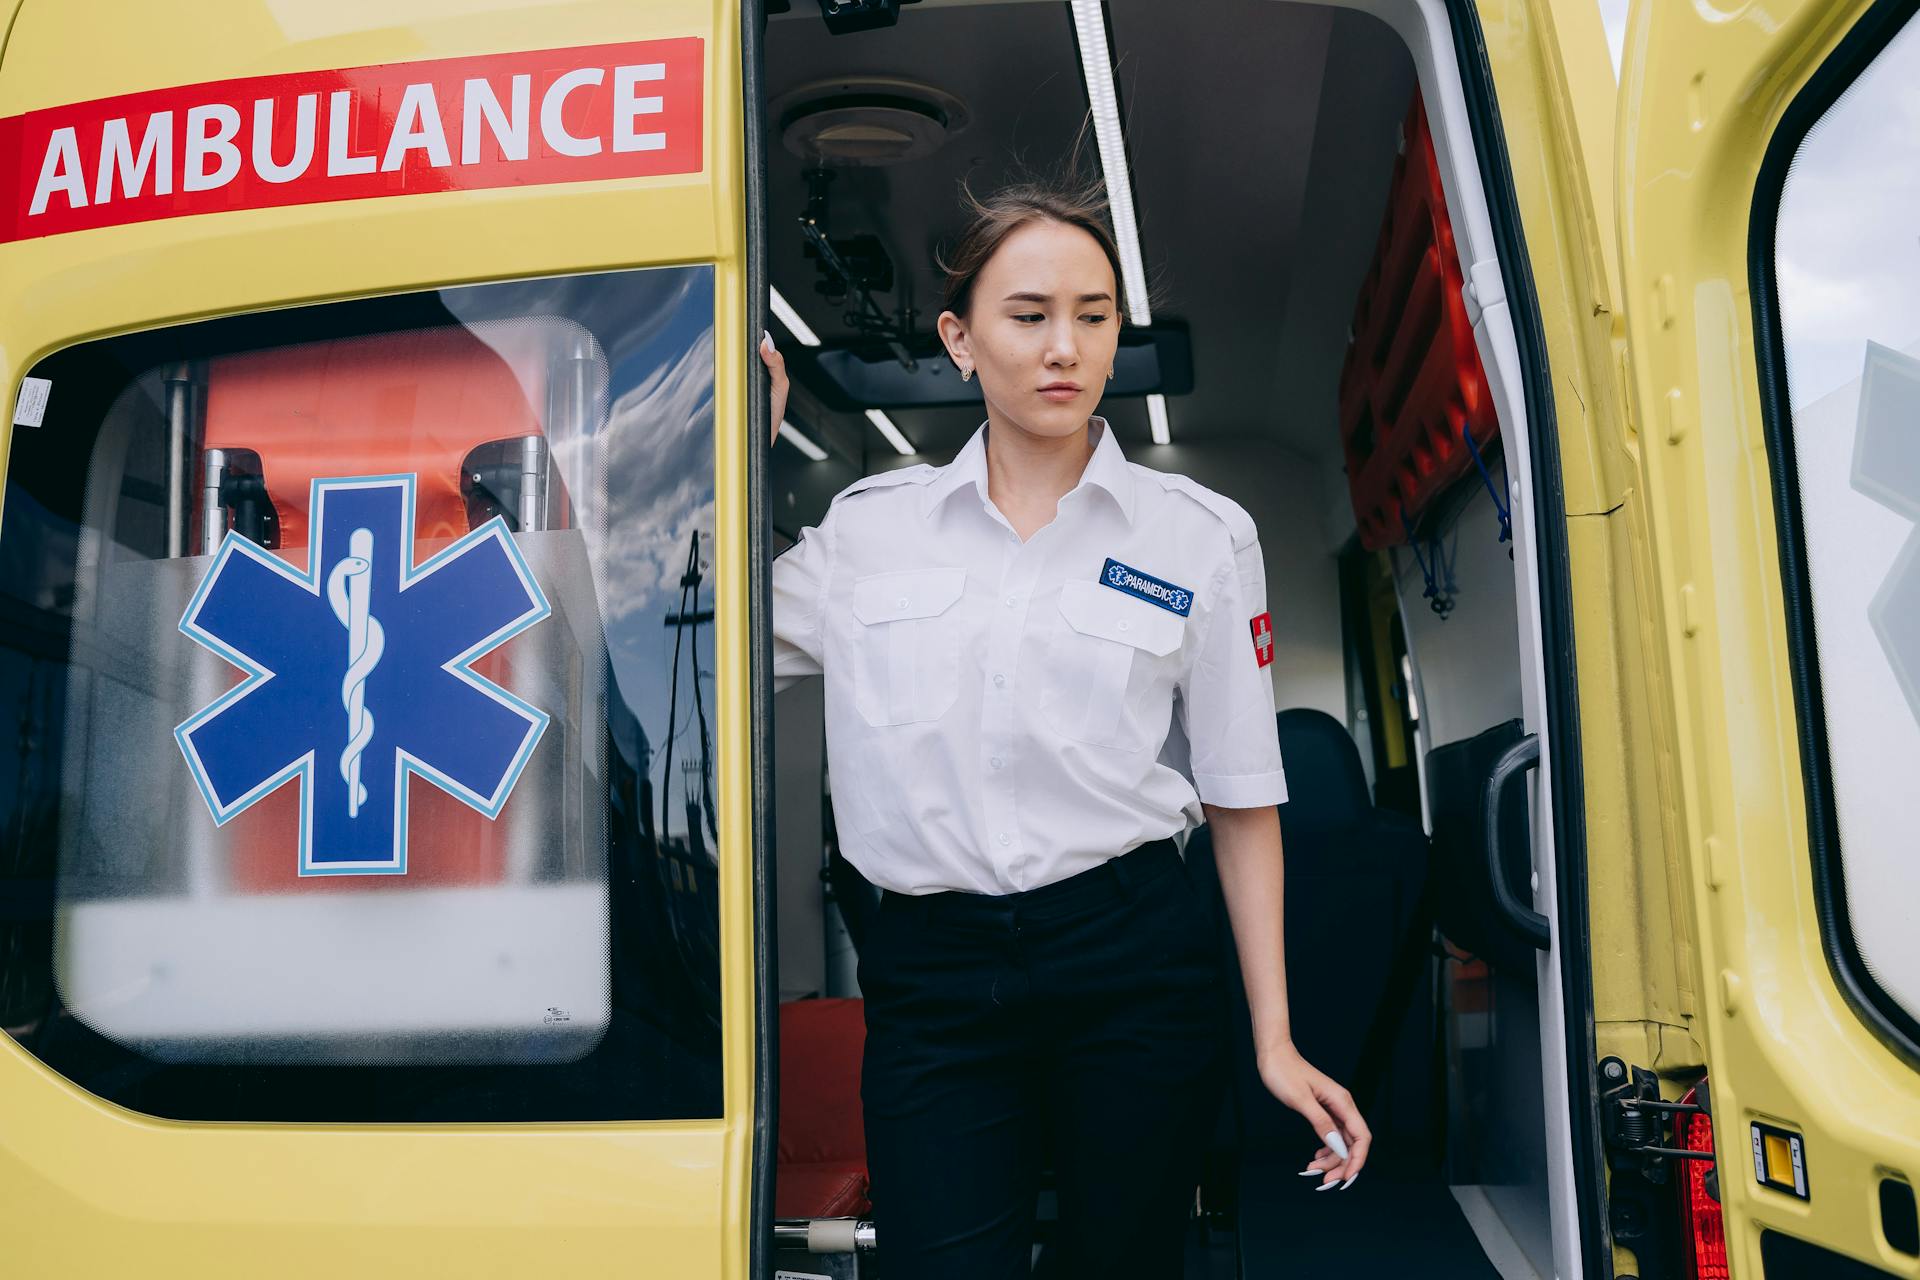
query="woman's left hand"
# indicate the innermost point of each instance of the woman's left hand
(1327, 1107)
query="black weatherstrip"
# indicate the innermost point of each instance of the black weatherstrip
(1894, 1025)
(766, 1029)
(1556, 625)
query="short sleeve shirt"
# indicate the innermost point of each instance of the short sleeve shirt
(1002, 714)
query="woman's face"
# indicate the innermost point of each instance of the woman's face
(1042, 330)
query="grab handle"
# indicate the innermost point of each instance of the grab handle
(1529, 924)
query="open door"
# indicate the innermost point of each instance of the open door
(376, 866)
(1767, 206)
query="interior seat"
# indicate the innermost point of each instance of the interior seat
(822, 1153)
(1358, 953)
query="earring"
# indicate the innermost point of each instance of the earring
(1109, 375)
(966, 375)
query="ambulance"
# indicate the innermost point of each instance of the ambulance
(407, 867)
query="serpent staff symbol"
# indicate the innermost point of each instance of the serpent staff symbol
(348, 589)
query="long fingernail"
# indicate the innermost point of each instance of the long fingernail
(766, 339)
(1307, 1172)
(1328, 1186)
(1338, 1143)
(1349, 1182)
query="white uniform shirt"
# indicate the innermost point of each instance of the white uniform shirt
(998, 713)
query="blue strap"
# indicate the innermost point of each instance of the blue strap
(1441, 596)
(1506, 520)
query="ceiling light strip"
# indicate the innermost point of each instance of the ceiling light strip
(799, 440)
(1157, 414)
(1096, 64)
(791, 318)
(891, 432)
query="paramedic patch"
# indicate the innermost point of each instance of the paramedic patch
(1149, 588)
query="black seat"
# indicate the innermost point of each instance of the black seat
(1358, 952)
(1457, 776)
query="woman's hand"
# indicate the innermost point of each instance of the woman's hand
(1327, 1107)
(777, 366)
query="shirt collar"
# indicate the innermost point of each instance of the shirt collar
(1107, 468)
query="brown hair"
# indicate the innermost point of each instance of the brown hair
(1074, 203)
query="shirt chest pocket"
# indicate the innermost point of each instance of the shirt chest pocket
(1109, 675)
(906, 644)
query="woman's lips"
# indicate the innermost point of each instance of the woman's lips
(1060, 392)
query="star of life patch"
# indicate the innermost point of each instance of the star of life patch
(1262, 625)
(1147, 587)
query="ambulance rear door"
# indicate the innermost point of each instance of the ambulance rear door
(376, 881)
(1767, 201)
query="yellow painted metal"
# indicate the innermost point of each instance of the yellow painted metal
(89, 1189)
(1704, 86)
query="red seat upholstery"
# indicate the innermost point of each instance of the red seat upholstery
(822, 1171)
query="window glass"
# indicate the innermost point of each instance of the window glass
(1847, 266)
(361, 658)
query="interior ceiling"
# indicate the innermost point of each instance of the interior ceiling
(1261, 137)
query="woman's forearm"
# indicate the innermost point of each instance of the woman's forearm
(1246, 850)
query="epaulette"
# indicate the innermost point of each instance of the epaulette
(918, 473)
(1239, 524)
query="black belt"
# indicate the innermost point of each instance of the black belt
(1115, 879)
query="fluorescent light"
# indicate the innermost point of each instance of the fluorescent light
(793, 436)
(1157, 412)
(1096, 63)
(791, 318)
(891, 432)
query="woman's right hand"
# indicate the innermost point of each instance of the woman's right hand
(777, 366)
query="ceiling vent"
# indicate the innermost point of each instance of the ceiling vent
(866, 120)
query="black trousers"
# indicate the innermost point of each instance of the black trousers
(1083, 1020)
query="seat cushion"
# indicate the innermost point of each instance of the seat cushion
(822, 1145)
(829, 1189)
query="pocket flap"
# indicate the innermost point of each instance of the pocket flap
(906, 593)
(1096, 610)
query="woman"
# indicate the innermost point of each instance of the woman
(1043, 661)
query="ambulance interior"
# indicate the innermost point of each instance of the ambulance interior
(1318, 365)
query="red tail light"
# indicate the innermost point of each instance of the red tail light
(1701, 1222)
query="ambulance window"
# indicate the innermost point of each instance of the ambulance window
(361, 658)
(1845, 265)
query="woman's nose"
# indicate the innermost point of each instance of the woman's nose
(1061, 351)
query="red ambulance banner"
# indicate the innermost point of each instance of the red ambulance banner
(403, 128)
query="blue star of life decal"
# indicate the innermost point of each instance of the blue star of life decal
(359, 673)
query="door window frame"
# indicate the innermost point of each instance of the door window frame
(1898, 1029)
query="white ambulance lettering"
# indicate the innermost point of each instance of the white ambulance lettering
(60, 171)
(218, 144)
(340, 161)
(553, 128)
(204, 150)
(116, 157)
(416, 127)
(509, 128)
(305, 113)
(627, 107)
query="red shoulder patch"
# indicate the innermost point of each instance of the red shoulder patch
(1263, 638)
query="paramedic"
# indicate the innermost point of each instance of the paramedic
(1043, 661)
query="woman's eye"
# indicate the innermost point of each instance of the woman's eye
(1096, 317)
(1029, 315)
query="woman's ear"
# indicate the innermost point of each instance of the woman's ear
(953, 332)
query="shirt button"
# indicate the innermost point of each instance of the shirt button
(999, 681)
(1012, 601)
(995, 762)
(901, 602)
(1005, 838)
(1124, 624)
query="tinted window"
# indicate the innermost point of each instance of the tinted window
(361, 663)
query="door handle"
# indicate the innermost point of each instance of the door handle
(1512, 766)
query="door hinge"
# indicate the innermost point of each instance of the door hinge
(1637, 1129)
